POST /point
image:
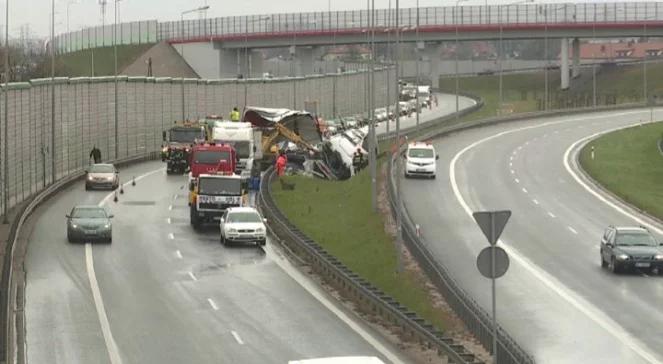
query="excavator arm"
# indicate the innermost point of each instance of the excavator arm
(288, 134)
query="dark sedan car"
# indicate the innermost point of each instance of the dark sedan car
(629, 248)
(102, 176)
(89, 223)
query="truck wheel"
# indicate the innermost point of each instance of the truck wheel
(222, 239)
(195, 221)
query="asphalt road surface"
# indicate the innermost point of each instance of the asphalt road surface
(555, 300)
(170, 294)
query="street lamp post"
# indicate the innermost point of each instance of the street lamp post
(418, 109)
(198, 9)
(53, 173)
(247, 63)
(117, 127)
(456, 60)
(6, 121)
(399, 202)
(501, 51)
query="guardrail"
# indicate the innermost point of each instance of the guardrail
(367, 296)
(338, 22)
(11, 294)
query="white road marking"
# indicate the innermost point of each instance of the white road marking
(171, 236)
(572, 230)
(179, 254)
(536, 202)
(527, 142)
(513, 172)
(551, 214)
(524, 190)
(517, 180)
(318, 293)
(520, 147)
(551, 282)
(510, 164)
(111, 346)
(596, 193)
(176, 196)
(511, 158)
(168, 220)
(213, 304)
(193, 277)
(237, 338)
(170, 207)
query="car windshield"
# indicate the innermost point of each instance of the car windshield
(185, 135)
(219, 186)
(636, 239)
(88, 213)
(420, 153)
(244, 216)
(101, 168)
(211, 156)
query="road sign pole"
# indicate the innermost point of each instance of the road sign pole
(492, 267)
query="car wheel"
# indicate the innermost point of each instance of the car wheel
(109, 240)
(614, 268)
(87, 188)
(222, 239)
(262, 242)
(603, 262)
(432, 177)
(69, 239)
(406, 175)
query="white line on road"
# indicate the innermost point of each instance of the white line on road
(551, 214)
(237, 338)
(179, 254)
(527, 142)
(513, 172)
(170, 207)
(572, 230)
(524, 189)
(213, 304)
(536, 202)
(581, 304)
(176, 196)
(511, 158)
(510, 164)
(193, 277)
(517, 180)
(168, 220)
(171, 236)
(111, 346)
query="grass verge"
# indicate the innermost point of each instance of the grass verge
(628, 163)
(338, 215)
(79, 64)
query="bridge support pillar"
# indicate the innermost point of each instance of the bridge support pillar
(564, 67)
(432, 53)
(575, 69)
(238, 61)
(306, 59)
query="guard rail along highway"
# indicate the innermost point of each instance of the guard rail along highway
(46, 150)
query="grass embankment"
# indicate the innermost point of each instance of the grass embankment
(524, 92)
(338, 215)
(79, 64)
(628, 163)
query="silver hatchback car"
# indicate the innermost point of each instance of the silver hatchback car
(102, 176)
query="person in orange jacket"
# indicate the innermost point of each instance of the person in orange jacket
(281, 162)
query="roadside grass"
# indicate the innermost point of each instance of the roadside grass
(628, 163)
(522, 91)
(338, 215)
(79, 64)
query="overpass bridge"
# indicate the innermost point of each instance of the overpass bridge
(231, 41)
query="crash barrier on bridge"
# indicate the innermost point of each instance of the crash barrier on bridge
(12, 291)
(368, 298)
(344, 22)
(46, 150)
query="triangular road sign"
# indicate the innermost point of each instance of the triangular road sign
(492, 223)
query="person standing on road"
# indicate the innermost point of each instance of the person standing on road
(234, 115)
(281, 162)
(95, 154)
(435, 98)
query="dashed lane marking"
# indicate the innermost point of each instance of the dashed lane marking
(237, 337)
(213, 304)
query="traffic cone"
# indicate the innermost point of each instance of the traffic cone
(115, 198)
(133, 181)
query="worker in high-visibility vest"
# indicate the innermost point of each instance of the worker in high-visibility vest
(234, 115)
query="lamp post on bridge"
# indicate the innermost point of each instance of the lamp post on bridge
(247, 63)
(456, 60)
(198, 9)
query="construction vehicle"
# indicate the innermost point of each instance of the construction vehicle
(283, 125)
(247, 143)
(178, 142)
(211, 194)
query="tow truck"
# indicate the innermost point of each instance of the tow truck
(178, 143)
(211, 194)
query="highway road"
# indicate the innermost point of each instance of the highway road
(162, 293)
(556, 300)
(170, 294)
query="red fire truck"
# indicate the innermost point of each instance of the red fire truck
(212, 158)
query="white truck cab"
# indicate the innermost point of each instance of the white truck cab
(420, 160)
(244, 138)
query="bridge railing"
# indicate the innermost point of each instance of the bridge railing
(339, 22)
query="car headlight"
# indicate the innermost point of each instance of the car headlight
(89, 177)
(622, 257)
(658, 257)
(74, 226)
(232, 230)
(260, 230)
(107, 226)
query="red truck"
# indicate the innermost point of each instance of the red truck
(212, 158)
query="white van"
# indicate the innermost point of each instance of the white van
(420, 160)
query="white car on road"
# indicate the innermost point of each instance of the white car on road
(420, 160)
(242, 225)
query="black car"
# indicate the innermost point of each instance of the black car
(631, 248)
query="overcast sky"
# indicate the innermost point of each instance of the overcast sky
(82, 13)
